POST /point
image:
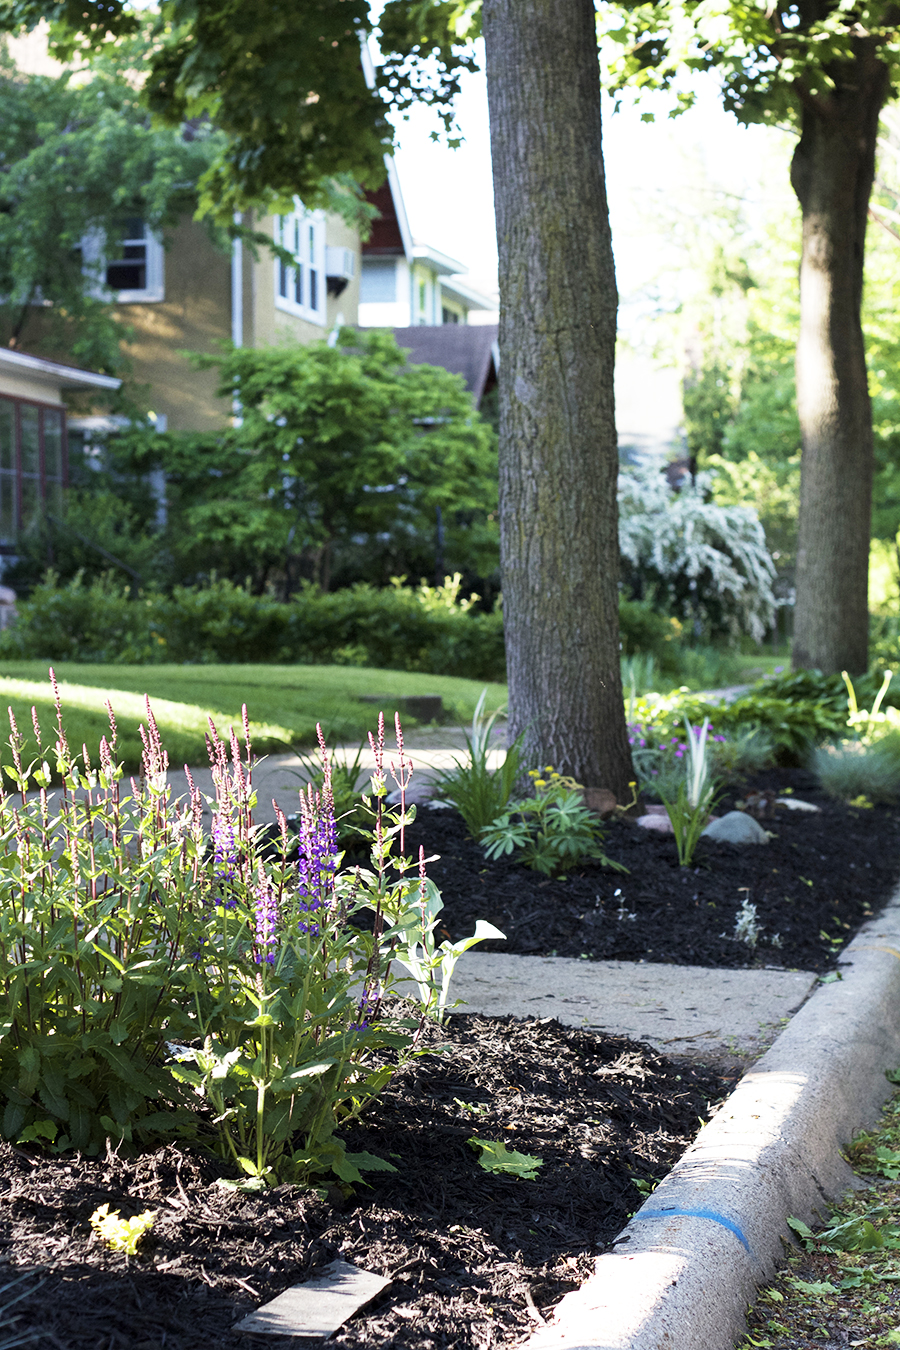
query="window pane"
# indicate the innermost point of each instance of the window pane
(52, 443)
(298, 285)
(31, 504)
(31, 462)
(7, 508)
(7, 435)
(313, 289)
(128, 271)
(282, 279)
(53, 501)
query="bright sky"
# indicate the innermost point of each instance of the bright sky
(449, 196)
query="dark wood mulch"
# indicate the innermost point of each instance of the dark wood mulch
(474, 1258)
(816, 881)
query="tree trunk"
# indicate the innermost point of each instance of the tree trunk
(832, 173)
(558, 453)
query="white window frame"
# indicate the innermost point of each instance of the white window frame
(93, 253)
(302, 233)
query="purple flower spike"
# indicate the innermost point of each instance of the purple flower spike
(224, 855)
(318, 849)
(266, 920)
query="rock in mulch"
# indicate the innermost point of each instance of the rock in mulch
(736, 827)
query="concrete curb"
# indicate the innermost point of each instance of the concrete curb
(691, 1259)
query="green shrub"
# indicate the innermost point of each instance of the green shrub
(207, 987)
(553, 831)
(428, 629)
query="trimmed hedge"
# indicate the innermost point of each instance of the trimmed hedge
(394, 629)
(397, 628)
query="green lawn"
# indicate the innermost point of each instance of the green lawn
(284, 702)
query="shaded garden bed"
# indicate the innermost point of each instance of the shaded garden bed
(474, 1257)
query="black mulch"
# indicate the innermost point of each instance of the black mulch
(475, 1258)
(816, 881)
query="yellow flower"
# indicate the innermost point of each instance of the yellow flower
(540, 782)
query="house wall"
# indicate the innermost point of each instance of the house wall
(42, 389)
(265, 324)
(383, 313)
(194, 316)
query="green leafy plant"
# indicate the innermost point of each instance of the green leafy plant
(479, 793)
(290, 1000)
(121, 1235)
(690, 809)
(157, 982)
(553, 830)
(496, 1157)
(865, 764)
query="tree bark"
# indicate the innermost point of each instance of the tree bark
(558, 454)
(832, 173)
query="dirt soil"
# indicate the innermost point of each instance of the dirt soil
(475, 1258)
(814, 884)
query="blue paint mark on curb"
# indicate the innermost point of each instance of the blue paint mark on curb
(695, 1214)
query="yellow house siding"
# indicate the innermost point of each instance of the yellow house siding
(340, 235)
(194, 316)
(269, 324)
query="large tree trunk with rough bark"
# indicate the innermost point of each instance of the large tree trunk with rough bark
(832, 174)
(558, 454)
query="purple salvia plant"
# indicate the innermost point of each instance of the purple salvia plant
(62, 744)
(318, 850)
(369, 1005)
(225, 861)
(266, 916)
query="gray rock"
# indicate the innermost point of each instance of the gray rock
(736, 827)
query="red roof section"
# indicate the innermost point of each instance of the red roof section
(385, 239)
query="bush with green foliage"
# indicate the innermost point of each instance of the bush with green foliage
(427, 629)
(553, 831)
(161, 984)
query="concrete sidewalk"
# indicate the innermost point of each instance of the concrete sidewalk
(722, 1016)
(690, 1261)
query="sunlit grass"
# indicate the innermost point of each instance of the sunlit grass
(284, 702)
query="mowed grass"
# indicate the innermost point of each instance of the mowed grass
(284, 703)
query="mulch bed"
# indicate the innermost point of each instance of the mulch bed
(814, 884)
(475, 1258)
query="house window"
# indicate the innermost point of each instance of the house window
(134, 269)
(32, 466)
(300, 287)
(378, 283)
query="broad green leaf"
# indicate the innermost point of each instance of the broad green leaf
(494, 1156)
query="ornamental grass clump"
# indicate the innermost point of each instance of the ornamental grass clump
(481, 794)
(690, 807)
(866, 762)
(161, 982)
